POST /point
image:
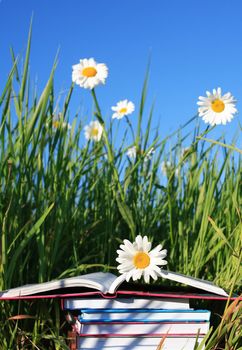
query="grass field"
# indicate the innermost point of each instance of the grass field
(66, 204)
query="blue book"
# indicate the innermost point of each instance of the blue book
(143, 315)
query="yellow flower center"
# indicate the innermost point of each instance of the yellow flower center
(123, 110)
(141, 260)
(56, 124)
(94, 132)
(89, 72)
(218, 105)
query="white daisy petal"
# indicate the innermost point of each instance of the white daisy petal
(124, 255)
(161, 254)
(137, 259)
(122, 108)
(139, 242)
(88, 73)
(129, 247)
(147, 244)
(153, 274)
(156, 268)
(216, 109)
(93, 131)
(156, 249)
(129, 275)
(149, 154)
(202, 98)
(146, 276)
(137, 275)
(131, 153)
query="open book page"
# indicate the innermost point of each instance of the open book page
(176, 277)
(193, 282)
(100, 281)
(116, 283)
(105, 282)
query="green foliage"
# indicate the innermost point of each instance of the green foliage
(65, 206)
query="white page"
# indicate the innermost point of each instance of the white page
(193, 282)
(177, 277)
(140, 343)
(126, 303)
(98, 280)
(105, 283)
(144, 328)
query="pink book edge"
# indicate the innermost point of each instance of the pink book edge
(132, 335)
(123, 292)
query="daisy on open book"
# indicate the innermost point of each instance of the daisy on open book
(137, 259)
(216, 109)
(88, 73)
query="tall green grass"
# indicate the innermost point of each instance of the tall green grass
(66, 204)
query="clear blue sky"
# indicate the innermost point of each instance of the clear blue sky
(194, 46)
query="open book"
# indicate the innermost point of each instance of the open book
(104, 282)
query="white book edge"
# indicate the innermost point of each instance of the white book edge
(126, 303)
(140, 343)
(143, 328)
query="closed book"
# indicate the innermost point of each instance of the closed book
(140, 343)
(143, 315)
(143, 328)
(125, 303)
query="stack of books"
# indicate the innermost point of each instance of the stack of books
(111, 314)
(138, 323)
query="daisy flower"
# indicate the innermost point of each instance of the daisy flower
(132, 152)
(93, 131)
(149, 154)
(216, 109)
(122, 108)
(88, 73)
(57, 122)
(137, 259)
